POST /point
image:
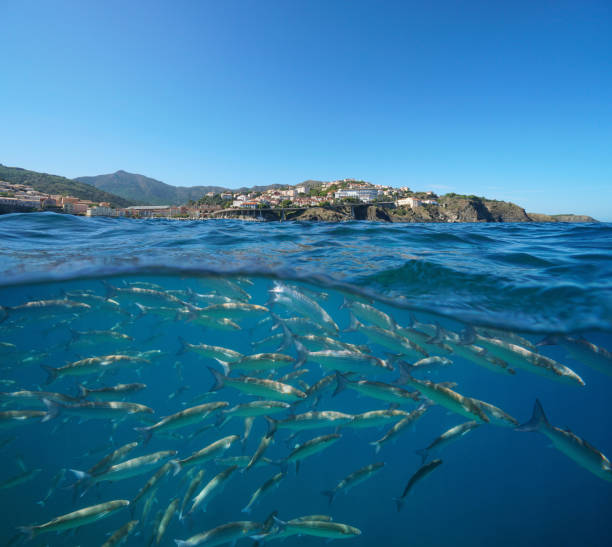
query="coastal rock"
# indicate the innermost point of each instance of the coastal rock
(539, 217)
(321, 214)
(504, 211)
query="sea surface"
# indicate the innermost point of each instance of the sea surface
(119, 301)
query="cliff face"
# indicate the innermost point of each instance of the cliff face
(321, 214)
(448, 209)
(462, 209)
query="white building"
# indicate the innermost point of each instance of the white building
(411, 202)
(362, 194)
(100, 211)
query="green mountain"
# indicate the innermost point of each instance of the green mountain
(148, 191)
(145, 190)
(54, 184)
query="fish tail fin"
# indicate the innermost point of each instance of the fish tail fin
(438, 337)
(330, 494)
(537, 421)
(346, 303)
(141, 311)
(302, 353)
(405, 370)
(225, 366)
(399, 503)
(550, 340)
(272, 425)
(468, 335)
(219, 380)
(177, 467)
(354, 323)
(83, 391)
(268, 523)
(287, 338)
(376, 445)
(110, 290)
(80, 475)
(280, 523)
(341, 383)
(145, 432)
(52, 373)
(246, 509)
(423, 453)
(53, 410)
(27, 531)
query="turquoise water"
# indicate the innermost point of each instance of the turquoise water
(431, 283)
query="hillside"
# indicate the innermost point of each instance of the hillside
(54, 184)
(148, 191)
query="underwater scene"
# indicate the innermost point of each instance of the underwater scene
(213, 383)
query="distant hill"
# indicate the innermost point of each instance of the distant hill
(54, 184)
(148, 191)
(539, 217)
(145, 190)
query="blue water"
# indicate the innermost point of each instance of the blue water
(495, 486)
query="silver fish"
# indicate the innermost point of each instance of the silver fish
(568, 443)
(94, 410)
(311, 447)
(583, 351)
(76, 518)
(226, 533)
(421, 473)
(257, 386)
(165, 520)
(215, 485)
(298, 302)
(126, 469)
(400, 426)
(184, 418)
(266, 487)
(352, 480)
(313, 420)
(448, 436)
(119, 537)
(111, 393)
(92, 365)
(207, 453)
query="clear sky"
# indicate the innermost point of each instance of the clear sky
(508, 99)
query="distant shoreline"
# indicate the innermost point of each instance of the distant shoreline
(363, 212)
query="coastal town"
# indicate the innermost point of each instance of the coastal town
(21, 197)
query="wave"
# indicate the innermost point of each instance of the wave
(526, 277)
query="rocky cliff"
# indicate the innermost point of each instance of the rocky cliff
(448, 209)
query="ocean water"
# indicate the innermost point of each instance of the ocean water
(152, 290)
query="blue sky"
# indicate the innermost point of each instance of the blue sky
(511, 100)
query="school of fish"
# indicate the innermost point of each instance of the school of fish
(303, 357)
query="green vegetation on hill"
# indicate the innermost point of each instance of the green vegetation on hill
(54, 184)
(145, 190)
(148, 191)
